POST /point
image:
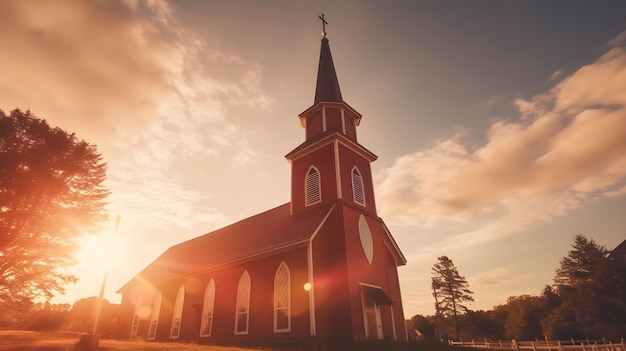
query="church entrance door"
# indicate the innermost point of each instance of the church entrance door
(372, 297)
(373, 322)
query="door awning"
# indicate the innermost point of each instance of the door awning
(375, 295)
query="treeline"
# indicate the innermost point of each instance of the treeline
(586, 300)
(78, 317)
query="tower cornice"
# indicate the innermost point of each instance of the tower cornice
(320, 105)
(328, 138)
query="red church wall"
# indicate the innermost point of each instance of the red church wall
(322, 159)
(349, 159)
(350, 126)
(378, 273)
(314, 125)
(333, 119)
(332, 309)
(395, 294)
(261, 313)
(165, 316)
(127, 313)
(125, 318)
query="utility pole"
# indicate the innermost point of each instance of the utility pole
(90, 342)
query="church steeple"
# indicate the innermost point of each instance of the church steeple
(327, 88)
(330, 165)
(329, 112)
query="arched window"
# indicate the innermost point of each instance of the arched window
(357, 187)
(207, 309)
(178, 313)
(134, 326)
(243, 304)
(312, 186)
(282, 299)
(154, 317)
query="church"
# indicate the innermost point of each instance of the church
(321, 267)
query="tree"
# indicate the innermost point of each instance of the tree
(50, 192)
(82, 316)
(483, 324)
(423, 325)
(523, 321)
(592, 290)
(450, 290)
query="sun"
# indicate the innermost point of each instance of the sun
(101, 252)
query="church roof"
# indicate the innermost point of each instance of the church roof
(260, 234)
(327, 88)
(619, 249)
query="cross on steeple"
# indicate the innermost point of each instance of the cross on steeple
(324, 23)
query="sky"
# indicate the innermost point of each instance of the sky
(500, 126)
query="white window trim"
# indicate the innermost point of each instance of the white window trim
(245, 304)
(360, 185)
(306, 187)
(177, 315)
(282, 268)
(134, 325)
(154, 318)
(208, 304)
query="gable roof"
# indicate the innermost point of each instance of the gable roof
(621, 248)
(265, 232)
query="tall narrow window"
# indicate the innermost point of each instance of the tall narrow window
(207, 309)
(357, 187)
(243, 304)
(312, 187)
(282, 297)
(134, 326)
(178, 313)
(154, 317)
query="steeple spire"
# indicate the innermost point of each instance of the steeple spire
(327, 88)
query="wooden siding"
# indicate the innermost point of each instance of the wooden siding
(314, 125)
(333, 119)
(261, 314)
(323, 160)
(348, 159)
(396, 296)
(127, 309)
(332, 310)
(378, 273)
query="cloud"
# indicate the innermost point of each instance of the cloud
(556, 74)
(127, 76)
(619, 39)
(493, 277)
(155, 98)
(83, 63)
(568, 148)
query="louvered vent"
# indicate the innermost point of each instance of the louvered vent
(313, 193)
(357, 187)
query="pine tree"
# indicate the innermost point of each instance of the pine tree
(592, 288)
(450, 290)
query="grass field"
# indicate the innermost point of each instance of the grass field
(18, 340)
(60, 341)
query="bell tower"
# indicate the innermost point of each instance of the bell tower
(330, 165)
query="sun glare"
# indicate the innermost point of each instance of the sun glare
(101, 252)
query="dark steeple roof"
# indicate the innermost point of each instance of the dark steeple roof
(327, 84)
